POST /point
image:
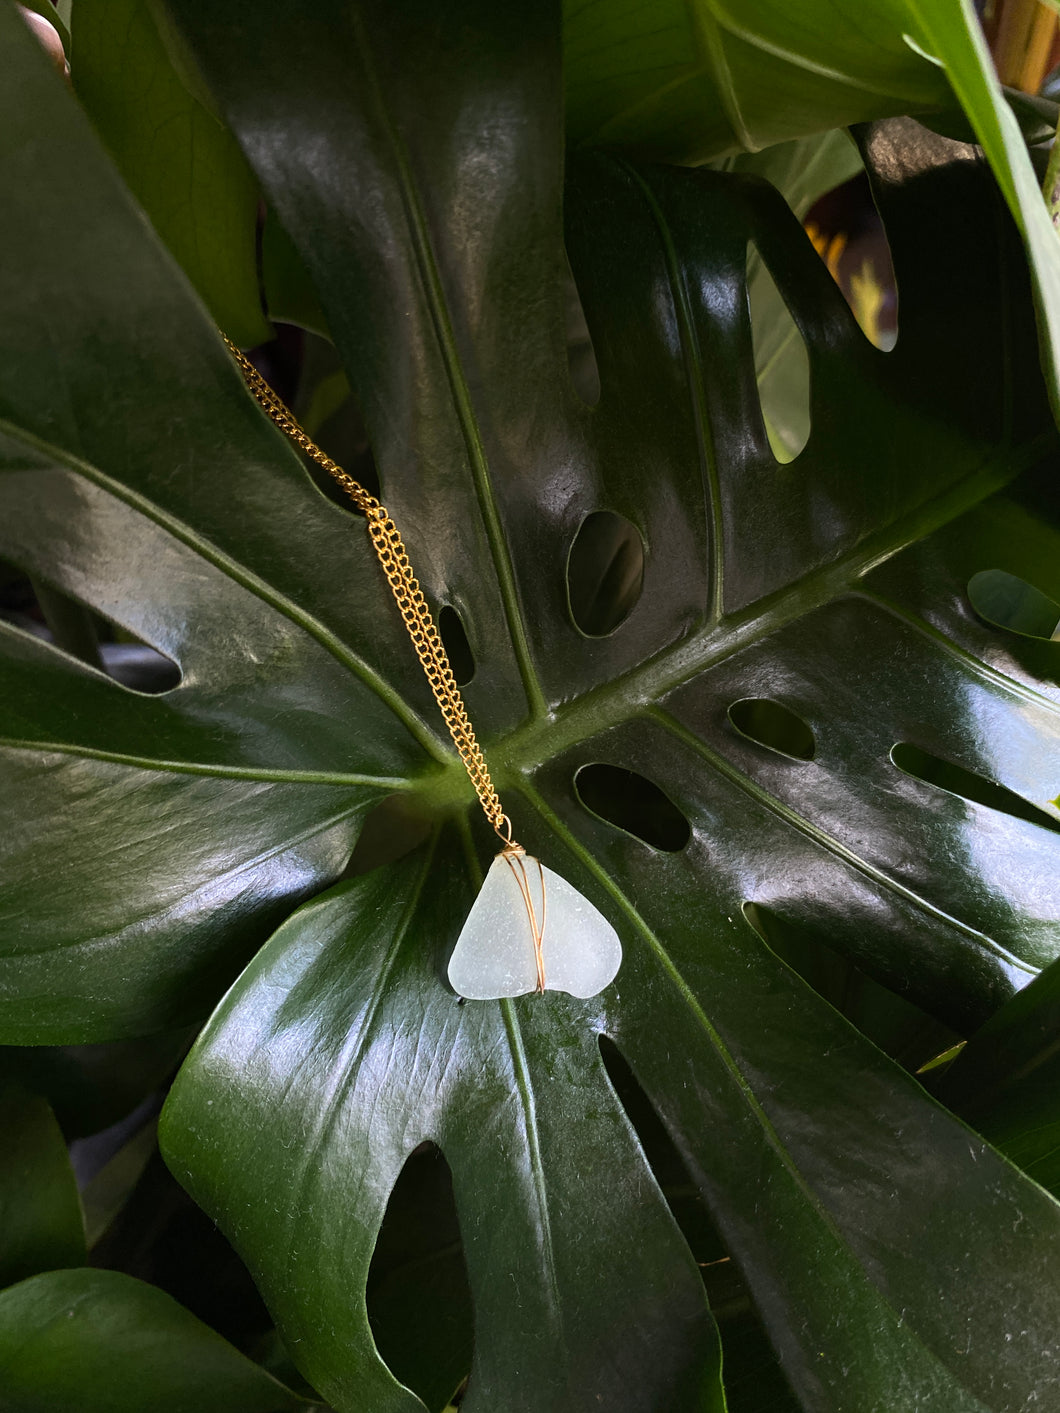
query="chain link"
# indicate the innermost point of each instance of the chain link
(415, 612)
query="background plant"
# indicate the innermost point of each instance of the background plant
(792, 727)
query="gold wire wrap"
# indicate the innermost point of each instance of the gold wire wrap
(515, 856)
(419, 623)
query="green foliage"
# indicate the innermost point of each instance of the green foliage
(632, 1186)
(99, 1342)
(182, 166)
(695, 79)
(1005, 1079)
(691, 80)
(40, 1214)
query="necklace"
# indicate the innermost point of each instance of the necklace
(528, 929)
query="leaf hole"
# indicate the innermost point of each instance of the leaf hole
(418, 1294)
(327, 409)
(1005, 601)
(38, 607)
(280, 361)
(782, 364)
(355, 457)
(899, 1027)
(458, 650)
(605, 573)
(137, 665)
(581, 355)
(847, 231)
(957, 780)
(633, 803)
(752, 1372)
(773, 725)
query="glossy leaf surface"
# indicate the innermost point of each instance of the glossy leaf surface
(834, 586)
(99, 1342)
(40, 1214)
(1006, 1081)
(179, 780)
(533, 1244)
(678, 80)
(306, 995)
(692, 80)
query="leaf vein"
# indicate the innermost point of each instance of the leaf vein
(246, 578)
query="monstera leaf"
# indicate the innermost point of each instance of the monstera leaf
(692, 80)
(685, 81)
(101, 1342)
(41, 1227)
(834, 745)
(181, 164)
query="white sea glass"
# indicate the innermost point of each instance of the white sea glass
(495, 955)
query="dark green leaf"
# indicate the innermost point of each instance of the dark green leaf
(319, 1145)
(161, 1237)
(271, 1354)
(688, 80)
(835, 586)
(180, 163)
(40, 1214)
(669, 79)
(891, 1021)
(952, 33)
(289, 293)
(230, 829)
(1006, 1081)
(99, 1342)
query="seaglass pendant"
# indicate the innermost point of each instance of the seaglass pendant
(530, 930)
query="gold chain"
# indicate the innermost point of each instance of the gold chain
(390, 549)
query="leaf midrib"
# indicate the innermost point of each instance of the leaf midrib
(692, 355)
(525, 1091)
(765, 800)
(730, 25)
(743, 1086)
(246, 578)
(264, 774)
(622, 697)
(431, 283)
(601, 708)
(712, 22)
(639, 691)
